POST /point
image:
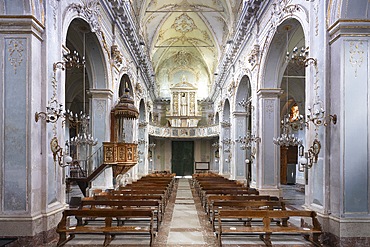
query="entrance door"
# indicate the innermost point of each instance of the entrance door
(288, 160)
(183, 158)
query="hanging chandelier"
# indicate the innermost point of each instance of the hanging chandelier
(287, 139)
(81, 123)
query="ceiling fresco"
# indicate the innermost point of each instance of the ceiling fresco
(186, 39)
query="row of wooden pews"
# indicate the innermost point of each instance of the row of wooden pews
(136, 209)
(234, 209)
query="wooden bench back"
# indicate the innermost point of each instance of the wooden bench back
(249, 204)
(109, 213)
(120, 204)
(270, 214)
(211, 198)
(128, 197)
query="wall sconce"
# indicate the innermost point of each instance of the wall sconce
(217, 154)
(216, 145)
(317, 115)
(227, 141)
(53, 112)
(58, 155)
(247, 140)
(54, 109)
(307, 159)
(300, 56)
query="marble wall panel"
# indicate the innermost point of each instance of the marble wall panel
(356, 126)
(15, 112)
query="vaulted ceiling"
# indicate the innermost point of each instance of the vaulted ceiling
(186, 39)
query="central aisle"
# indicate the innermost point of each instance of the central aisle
(185, 226)
(185, 223)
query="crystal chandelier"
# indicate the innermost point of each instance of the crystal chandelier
(81, 123)
(287, 139)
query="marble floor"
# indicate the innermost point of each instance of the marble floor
(186, 224)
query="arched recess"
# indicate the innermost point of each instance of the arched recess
(80, 80)
(243, 120)
(226, 111)
(275, 59)
(217, 118)
(125, 82)
(289, 34)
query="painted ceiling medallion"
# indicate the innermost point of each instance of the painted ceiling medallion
(183, 58)
(184, 24)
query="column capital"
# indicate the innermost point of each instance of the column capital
(239, 114)
(101, 93)
(269, 92)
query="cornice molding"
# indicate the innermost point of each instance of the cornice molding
(21, 24)
(348, 27)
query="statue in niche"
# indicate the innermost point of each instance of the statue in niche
(184, 105)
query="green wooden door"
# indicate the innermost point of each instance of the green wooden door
(183, 158)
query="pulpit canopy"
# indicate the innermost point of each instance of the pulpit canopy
(126, 108)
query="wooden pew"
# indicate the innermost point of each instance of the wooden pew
(214, 198)
(227, 191)
(67, 231)
(266, 229)
(125, 197)
(142, 193)
(243, 205)
(155, 205)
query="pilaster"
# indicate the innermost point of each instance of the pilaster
(240, 123)
(101, 103)
(33, 192)
(268, 155)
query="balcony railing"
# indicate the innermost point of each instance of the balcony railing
(184, 132)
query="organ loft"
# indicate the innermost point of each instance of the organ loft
(184, 105)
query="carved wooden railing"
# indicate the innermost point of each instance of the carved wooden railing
(120, 156)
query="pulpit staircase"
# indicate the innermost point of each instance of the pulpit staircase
(120, 156)
(79, 172)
